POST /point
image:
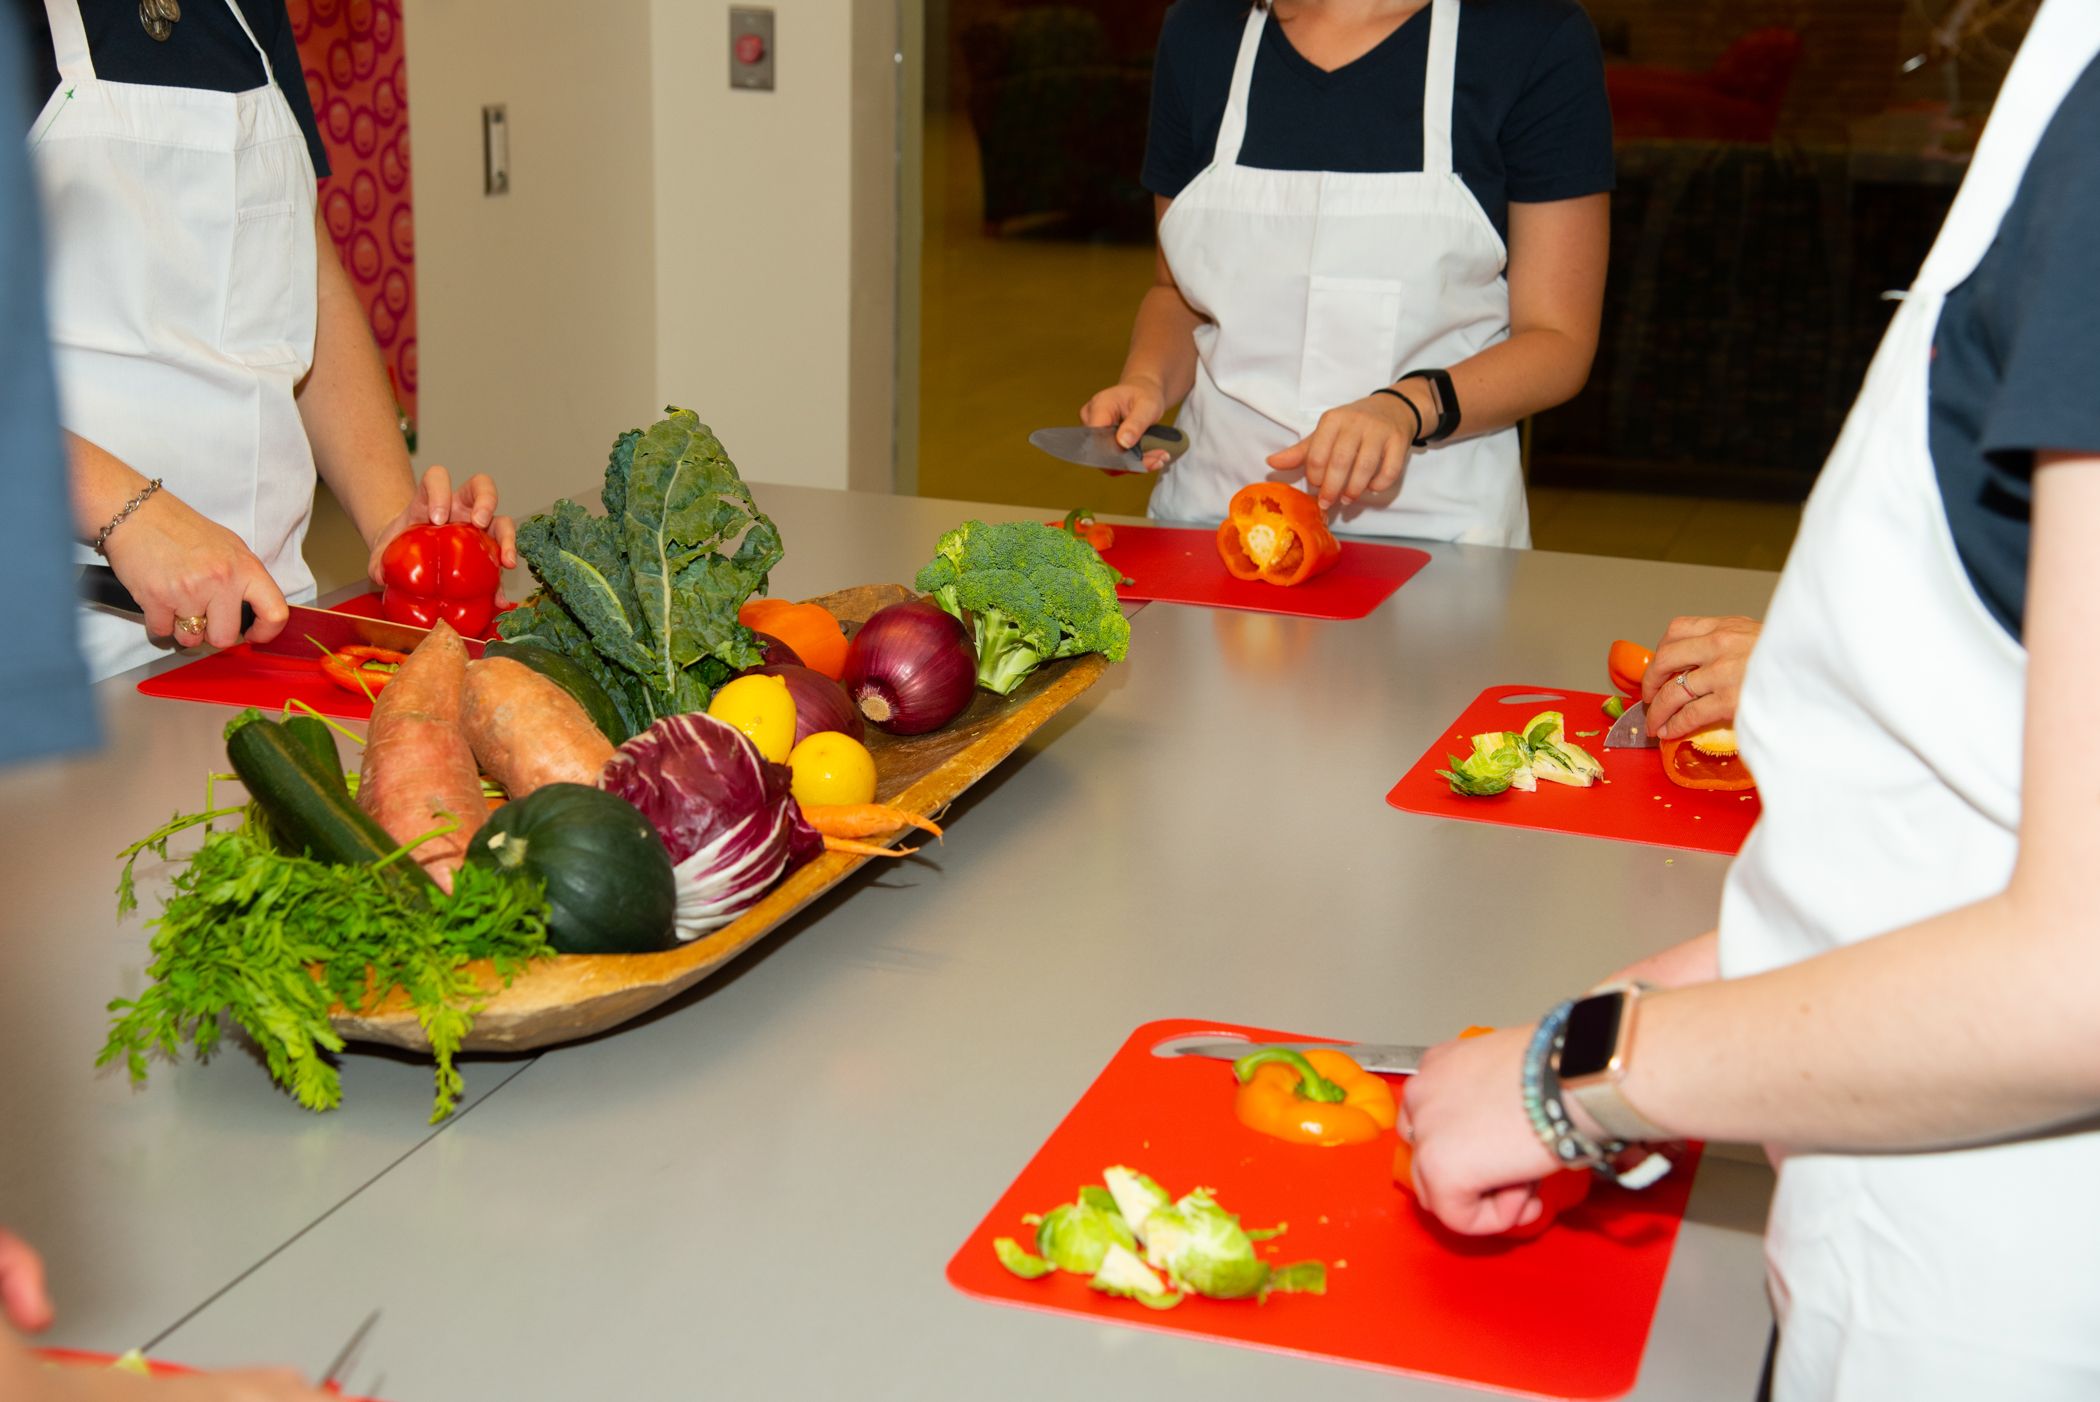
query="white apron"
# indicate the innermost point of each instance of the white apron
(181, 248)
(1322, 286)
(1883, 714)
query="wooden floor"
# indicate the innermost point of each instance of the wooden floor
(1018, 331)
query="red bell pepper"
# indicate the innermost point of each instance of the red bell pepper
(450, 572)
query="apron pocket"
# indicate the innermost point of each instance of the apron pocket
(261, 278)
(1352, 333)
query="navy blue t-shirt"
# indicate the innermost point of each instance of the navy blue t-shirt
(2016, 356)
(1530, 119)
(206, 50)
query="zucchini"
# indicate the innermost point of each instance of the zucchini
(317, 738)
(306, 812)
(565, 673)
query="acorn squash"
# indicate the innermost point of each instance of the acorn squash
(609, 884)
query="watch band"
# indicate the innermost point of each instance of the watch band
(1596, 1087)
(1444, 396)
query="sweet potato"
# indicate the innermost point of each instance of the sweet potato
(418, 770)
(527, 731)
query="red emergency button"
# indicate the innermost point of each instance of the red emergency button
(750, 48)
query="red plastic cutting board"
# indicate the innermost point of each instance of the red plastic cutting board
(81, 1358)
(1565, 1315)
(1176, 565)
(240, 676)
(1633, 803)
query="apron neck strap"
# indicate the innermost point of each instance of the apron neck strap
(69, 41)
(1233, 129)
(269, 73)
(1440, 84)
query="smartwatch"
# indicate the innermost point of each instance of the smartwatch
(1595, 1054)
(1443, 398)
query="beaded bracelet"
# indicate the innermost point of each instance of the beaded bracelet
(1542, 1102)
(130, 506)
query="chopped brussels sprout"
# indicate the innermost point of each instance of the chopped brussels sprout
(1554, 757)
(1020, 1262)
(1094, 1195)
(1202, 1248)
(1298, 1278)
(1075, 1236)
(1136, 1195)
(1500, 761)
(1122, 1273)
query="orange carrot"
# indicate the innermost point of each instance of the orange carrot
(864, 849)
(864, 819)
(418, 772)
(527, 731)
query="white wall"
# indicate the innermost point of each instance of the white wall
(666, 240)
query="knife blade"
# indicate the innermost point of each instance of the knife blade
(308, 633)
(1097, 447)
(1630, 730)
(331, 1381)
(1386, 1058)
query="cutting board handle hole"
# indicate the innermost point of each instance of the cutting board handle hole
(1533, 698)
(1170, 1047)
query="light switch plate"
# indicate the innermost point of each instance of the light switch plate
(751, 48)
(495, 150)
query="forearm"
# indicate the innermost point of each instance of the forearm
(1531, 371)
(1696, 960)
(100, 483)
(348, 408)
(1972, 1026)
(1163, 344)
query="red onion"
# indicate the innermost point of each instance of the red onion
(820, 702)
(776, 652)
(911, 668)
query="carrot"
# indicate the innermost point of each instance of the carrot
(864, 849)
(864, 819)
(418, 772)
(527, 731)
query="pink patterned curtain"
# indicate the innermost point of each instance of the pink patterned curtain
(357, 76)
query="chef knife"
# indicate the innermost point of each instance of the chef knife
(308, 633)
(1390, 1060)
(1097, 447)
(1630, 730)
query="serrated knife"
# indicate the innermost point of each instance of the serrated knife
(308, 634)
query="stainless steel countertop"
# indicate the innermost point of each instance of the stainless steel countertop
(753, 1192)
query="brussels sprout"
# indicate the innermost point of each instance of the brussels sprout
(1122, 1273)
(1075, 1236)
(1136, 1195)
(1202, 1248)
(1554, 757)
(1500, 761)
(1020, 1262)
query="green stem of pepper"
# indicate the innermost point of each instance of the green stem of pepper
(1311, 1084)
(1614, 707)
(1074, 517)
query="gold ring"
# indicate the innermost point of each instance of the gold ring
(193, 624)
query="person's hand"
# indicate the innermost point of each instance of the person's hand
(1357, 450)
(1129, 408)
(1697, 675)
(22, 1299)
(435, 503)
(1477, 1161)
(180, 565)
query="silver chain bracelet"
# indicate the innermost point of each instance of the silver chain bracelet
(130, 506)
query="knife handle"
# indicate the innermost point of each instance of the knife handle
(1165, 437)
(99, 585)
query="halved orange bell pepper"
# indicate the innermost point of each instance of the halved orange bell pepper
(1318, 1097)
(1688, 765)
(1276, 533)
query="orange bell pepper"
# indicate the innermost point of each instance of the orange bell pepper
(1319, 1097)
(1690, 765)
(1276, 533)
(1628, 663)
(809, 629)
(1557, 1191)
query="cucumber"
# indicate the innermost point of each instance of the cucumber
(564, 672)
(318, 740)
(308, 813)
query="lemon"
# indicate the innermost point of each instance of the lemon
(763, 709)
(831, 767)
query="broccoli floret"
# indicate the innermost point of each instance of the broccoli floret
(1029, 592)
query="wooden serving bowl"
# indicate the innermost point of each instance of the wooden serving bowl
(576, 995)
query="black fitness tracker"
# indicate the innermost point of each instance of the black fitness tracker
(1444, 399)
